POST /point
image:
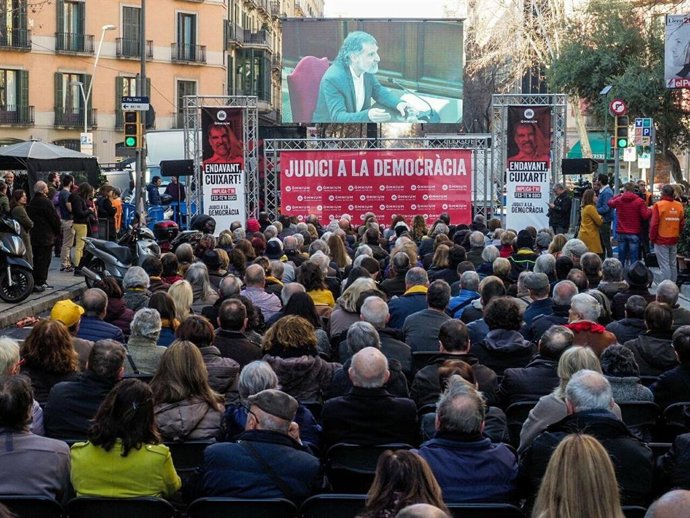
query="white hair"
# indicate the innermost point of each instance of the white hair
(586, 306)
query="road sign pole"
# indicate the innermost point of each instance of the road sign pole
(652, 160)
(616, 169)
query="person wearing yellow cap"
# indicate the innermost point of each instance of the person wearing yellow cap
(69, 313)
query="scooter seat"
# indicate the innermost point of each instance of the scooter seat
(121, 253)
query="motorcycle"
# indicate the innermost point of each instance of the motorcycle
(113, 259)
(16, 274)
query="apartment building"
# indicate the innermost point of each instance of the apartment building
(65, 64)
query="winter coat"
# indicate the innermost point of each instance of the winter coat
(653, 352)
(303, 377)
(457, 304)
(402, 307)
(222, 372)
(187, 420)
(628, 389)
(471, 469)
(590, 221)
(145, 354)
(529, 383)
(627, 329)
(620, 298)
(119, 315)
(46, 221)
(25, 225)
(672, 387)
(631, 212)
(342, 384)
(610, 289)
(675, 464)
(502, 349)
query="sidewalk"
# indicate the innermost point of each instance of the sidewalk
(65, 286)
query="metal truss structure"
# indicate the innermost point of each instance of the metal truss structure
(484, 194)
(250, 139)
(499, 129)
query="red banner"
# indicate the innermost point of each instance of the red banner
(406, 182)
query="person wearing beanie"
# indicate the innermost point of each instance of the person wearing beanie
(524, 257)
(253, 226)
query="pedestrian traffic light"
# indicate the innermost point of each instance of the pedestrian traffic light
(621, 131)
(133, 130)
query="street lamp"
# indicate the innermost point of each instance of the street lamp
(86, 95)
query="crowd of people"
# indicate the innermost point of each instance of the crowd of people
(277, 340)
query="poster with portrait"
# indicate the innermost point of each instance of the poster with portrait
(528, 166)
(222, 166)
(677, 51)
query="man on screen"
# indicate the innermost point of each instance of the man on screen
(350, 83)
(226, 148)
(525, 136)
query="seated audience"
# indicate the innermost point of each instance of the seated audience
(420, 330)
(620, 368)
(48, 358)
(612, 278)
(582, 321)
(538, 287)
(563, 293)
(143, 353)
(9, 366)
(222, 372)
(203, 292)
(477, 244)
(69, 313)
(575, 249)
(92, 325)
(165, 305)
(254, 378)
(632, 325)
(302, 305)
(230, 286)
(653, 350)
(267, 452)
(468, 466)
(394, 286)
(311, 276)
(667, 291)
(540, 376)
(186, 408)
(591, 265)
(524, 256)
(489, 255)
(123, 457)
(136, 286)
(369, 414)
(589, 401)
(672, 386)
(454, 345)
(183, 296)
(290, 348)
(72, 405)
(638, 278)
(579, 466)
(504, 346)
(255, 280)
(153, 266)
(29, 464)
(468, 292)
(473, 314)
(170, 273)
(117, 312)
(230, 338)
(345, 311)
(413, 300)
(402, 478)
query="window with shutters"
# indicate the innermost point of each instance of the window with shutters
(253, 74)
(69, 100)
(14, 34)
(183, 88)
(14, 97)
(70, 35)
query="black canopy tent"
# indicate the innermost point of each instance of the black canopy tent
(39, 159)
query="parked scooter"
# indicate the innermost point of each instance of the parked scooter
(16, 274)
(110, 259)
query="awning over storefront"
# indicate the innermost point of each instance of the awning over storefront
(596, 142)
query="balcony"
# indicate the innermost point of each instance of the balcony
(277, 61)
(75, 119)
(15, 39)
(188, 53)
(275, 10)
(16, 115)
(263, 5)
(129, 48)
(234, 35)
(72, 42)
(259, 39)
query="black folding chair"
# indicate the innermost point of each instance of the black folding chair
(673, 422)
(90, 507)
(217, 507)
(32, 506)
(351, 467)
(633, 511)
(516, 415)
(333, 506)
(187, 457)
(485, 511)
(641, 417)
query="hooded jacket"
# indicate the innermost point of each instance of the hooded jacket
(303, 377)
(502, 349)
(653, 353)
(186, 420)
(632, 211)
(119, 315)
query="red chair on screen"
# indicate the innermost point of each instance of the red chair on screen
(303, 87)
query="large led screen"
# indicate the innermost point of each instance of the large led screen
(359, 71)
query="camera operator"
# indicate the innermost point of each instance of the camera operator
(559, 210)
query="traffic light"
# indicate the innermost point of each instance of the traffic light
(621, 131)
(133, 130)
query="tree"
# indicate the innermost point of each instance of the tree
(613, 43)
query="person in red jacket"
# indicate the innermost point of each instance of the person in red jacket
(667, 223)
(631, 212)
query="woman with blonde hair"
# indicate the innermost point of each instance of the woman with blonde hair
(580, 480)
(290, 348)
(338, 252)
(551, 408)
(183, 296)
(345, 312)
(557, 244)
(186, 408)
(402, 478)
(440, 260)
(419, 228)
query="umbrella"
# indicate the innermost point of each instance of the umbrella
(39, 151)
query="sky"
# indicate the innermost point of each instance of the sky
(384, 8)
